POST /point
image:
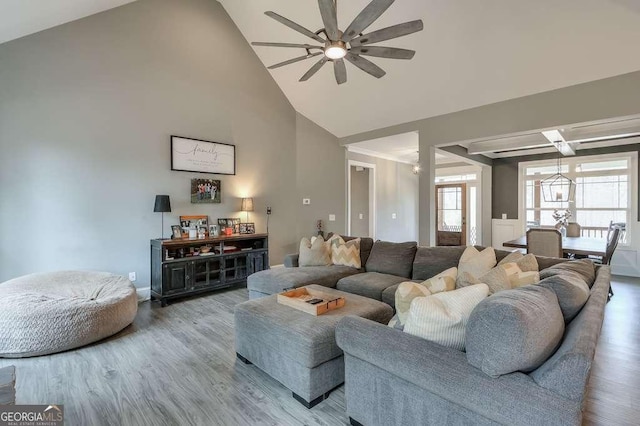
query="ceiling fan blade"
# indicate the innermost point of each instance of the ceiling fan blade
(368, 15)
(294, 60)
(329, 18)
(299, 28)
(383, 52)
(314, 69)
(303, 46)
(340, 70)
(389, 33)
(365, 65)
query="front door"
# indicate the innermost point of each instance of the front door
(451, 220)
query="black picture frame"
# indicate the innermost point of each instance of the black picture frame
(229, 149)
(247, 228)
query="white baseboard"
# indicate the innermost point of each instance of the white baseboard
(144, 294)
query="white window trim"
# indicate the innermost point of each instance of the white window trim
(632, 210)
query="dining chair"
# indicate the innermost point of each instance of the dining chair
(544, 242)
(573, 229)
(612, 243)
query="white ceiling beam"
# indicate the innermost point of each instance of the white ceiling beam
(512, 143)
(586, 134)
(557, 140)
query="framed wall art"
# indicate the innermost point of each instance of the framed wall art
(205, 191)
(195, 155)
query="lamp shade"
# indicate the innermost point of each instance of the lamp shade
(247, 205)
(162, 204)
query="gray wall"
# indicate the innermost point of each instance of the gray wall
(320, 177)
(86, 111)
(396, 192)
(505, 177)
(359, 201)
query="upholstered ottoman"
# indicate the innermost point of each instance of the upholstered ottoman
(52, 312)
(299, 349)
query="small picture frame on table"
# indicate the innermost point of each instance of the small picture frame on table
(176, 232)
(213, 231)
(247, 228)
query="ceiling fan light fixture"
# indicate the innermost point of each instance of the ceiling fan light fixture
(335, 50)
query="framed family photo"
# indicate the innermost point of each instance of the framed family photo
(205, 191)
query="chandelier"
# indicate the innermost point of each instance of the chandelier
(558, 188)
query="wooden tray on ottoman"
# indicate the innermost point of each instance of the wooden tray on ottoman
(297, 297)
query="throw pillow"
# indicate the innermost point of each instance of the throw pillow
(405, 293)
(515, 330)
(514, 256)
(442, 317)
(475, 262)
(526, 262)
(444, 281)
(345, 253)
(314, 252)
(392, 258)
(498, 278)
(522, 279)
(571, 290)
(395, 323)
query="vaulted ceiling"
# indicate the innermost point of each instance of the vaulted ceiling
(471, 53)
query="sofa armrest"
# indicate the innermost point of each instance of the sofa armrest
(291, 260)
(446, 373)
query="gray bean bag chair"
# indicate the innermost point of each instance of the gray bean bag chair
(52, 312)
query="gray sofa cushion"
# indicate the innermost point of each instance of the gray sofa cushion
(392, 258)
(389, 295)
(584, 267)
(430, 261)
(275, 280)
(571, 290)
(514, 330)
(369, 284)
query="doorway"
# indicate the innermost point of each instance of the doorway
(361, 211)
(451, 214)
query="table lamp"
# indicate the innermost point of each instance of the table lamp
(247, 206)
(162, 205)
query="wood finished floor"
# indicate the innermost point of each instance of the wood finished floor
(177, 366)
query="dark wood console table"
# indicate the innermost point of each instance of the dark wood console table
(179, 268)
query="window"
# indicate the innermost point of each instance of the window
(602, 193)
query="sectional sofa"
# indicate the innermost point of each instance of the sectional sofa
(393, 378)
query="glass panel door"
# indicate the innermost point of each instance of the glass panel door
(451, 221)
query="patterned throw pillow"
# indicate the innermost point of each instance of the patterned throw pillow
(444, 281)
(405, 293)
(314, 252)
(475, 262)
(345, 253)
(442, 317)
(526, 262)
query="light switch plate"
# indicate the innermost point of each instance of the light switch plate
(393, 215)
(306, 201)
(132, 276)
(361, 216)
(332, 218)
(504, 215)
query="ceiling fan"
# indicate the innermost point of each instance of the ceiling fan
(351, 44)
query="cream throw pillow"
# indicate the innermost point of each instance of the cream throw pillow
(498, 278)
(526, 262)
(405, 293)
(345, 253)
(408, 290)
(444, 281)
(442, 317)
(525, 278)
(475, 262)
(314, 252)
